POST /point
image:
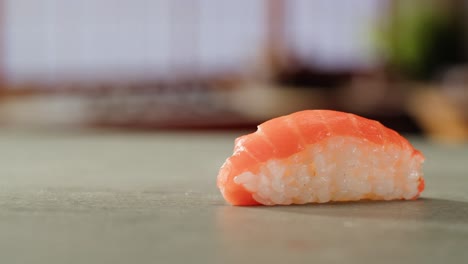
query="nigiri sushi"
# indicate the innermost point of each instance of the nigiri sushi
(318, 156)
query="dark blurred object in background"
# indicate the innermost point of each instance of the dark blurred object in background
(422, 39)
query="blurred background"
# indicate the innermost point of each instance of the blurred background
(222, 64)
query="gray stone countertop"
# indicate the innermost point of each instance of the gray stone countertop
(113, 197)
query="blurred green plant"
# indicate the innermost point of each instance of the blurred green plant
(420, 39)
